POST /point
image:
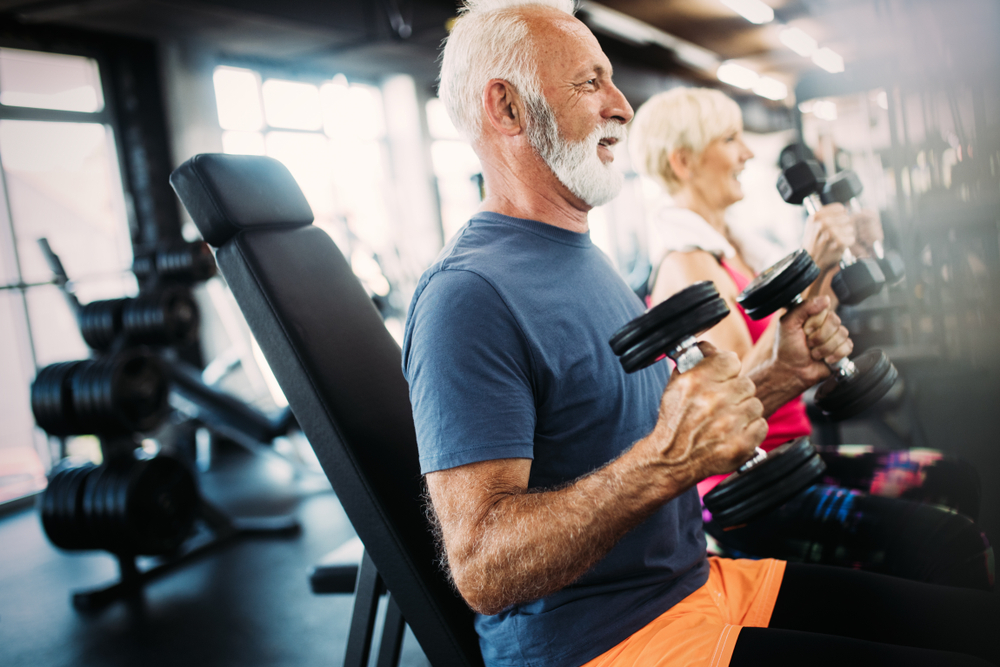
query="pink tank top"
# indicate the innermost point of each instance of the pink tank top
(789, 421)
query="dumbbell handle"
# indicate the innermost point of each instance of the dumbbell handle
(686, 354)
(843, 369)
(759, 455)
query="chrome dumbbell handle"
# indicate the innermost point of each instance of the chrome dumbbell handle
(687, 354)
(813, 202)
(758, 456)
(844, 368)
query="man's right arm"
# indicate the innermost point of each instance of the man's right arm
(506, 545)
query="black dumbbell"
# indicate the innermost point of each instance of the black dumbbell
(859, 278)
(124, 393)
(186, 263)
(855, 385)
(845, 188)
(669, 330)
(165, 317)
(128, 505)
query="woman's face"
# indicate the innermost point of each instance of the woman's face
(715, 176)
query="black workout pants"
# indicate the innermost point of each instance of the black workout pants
(836, 617)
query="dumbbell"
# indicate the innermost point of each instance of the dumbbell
(859, 278)
(854, 385)
(165, 317)
(128, 505)
(124, 393)
(186, 263)
(767, 480)
(845, 188)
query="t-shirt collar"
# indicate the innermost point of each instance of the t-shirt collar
(551, 232)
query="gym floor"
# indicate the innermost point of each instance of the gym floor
(246, 603)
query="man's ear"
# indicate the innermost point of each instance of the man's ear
(503, 107)
(681, 161)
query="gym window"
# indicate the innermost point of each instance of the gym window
(60, 181)
(310, 127)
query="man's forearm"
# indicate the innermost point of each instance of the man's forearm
(776, 384)
(524, 545)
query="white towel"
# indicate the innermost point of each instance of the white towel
(675, 229)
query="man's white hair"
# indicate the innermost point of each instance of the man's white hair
(489, 40)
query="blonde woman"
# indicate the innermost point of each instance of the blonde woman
(690, 141)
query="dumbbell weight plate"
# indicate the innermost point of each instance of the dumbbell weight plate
(160, 505)
(892, 267)
(841, 399)
(50, 398)
(687, 299)
(52, 521)
(777, 286)
(773, 496)
(141, 389)
(115, 496)
(75, 528)
(739, 486)
(62, 527)
(101, 519)
(648, 337)
(858, 281)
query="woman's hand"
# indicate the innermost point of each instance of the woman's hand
(868, 228)
(827, 234)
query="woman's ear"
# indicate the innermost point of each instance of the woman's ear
(503, 107)
(681, 161)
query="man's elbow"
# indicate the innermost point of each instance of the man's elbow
(477, 591)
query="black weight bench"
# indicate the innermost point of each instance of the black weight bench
(341, 372)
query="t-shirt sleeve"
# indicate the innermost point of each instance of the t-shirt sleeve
(468, 366)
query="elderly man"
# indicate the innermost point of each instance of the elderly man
(564, 488)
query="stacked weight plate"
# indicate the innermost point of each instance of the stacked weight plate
(126, 506)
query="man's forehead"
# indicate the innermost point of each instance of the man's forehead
(566, 46)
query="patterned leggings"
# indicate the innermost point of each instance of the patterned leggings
(909, 514)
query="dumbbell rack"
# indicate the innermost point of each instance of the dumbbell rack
(119, 394)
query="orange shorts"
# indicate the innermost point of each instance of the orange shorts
(703, 627)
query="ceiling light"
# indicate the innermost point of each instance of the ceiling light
(825, 110)
(798, 41)
(754, 11)
(770, 88)
(737, 75)
(607, 20)
(829, 60)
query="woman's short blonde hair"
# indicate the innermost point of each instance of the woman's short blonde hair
(680, 118)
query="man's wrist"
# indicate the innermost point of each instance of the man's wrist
(777, 383)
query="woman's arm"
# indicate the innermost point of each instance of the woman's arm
(827, 234)
(681, 269)
(789, 356)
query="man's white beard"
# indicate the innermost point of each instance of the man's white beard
(576, 163)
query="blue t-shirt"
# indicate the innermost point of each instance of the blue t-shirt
(506, 352)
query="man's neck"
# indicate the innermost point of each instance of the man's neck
(533, 193)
